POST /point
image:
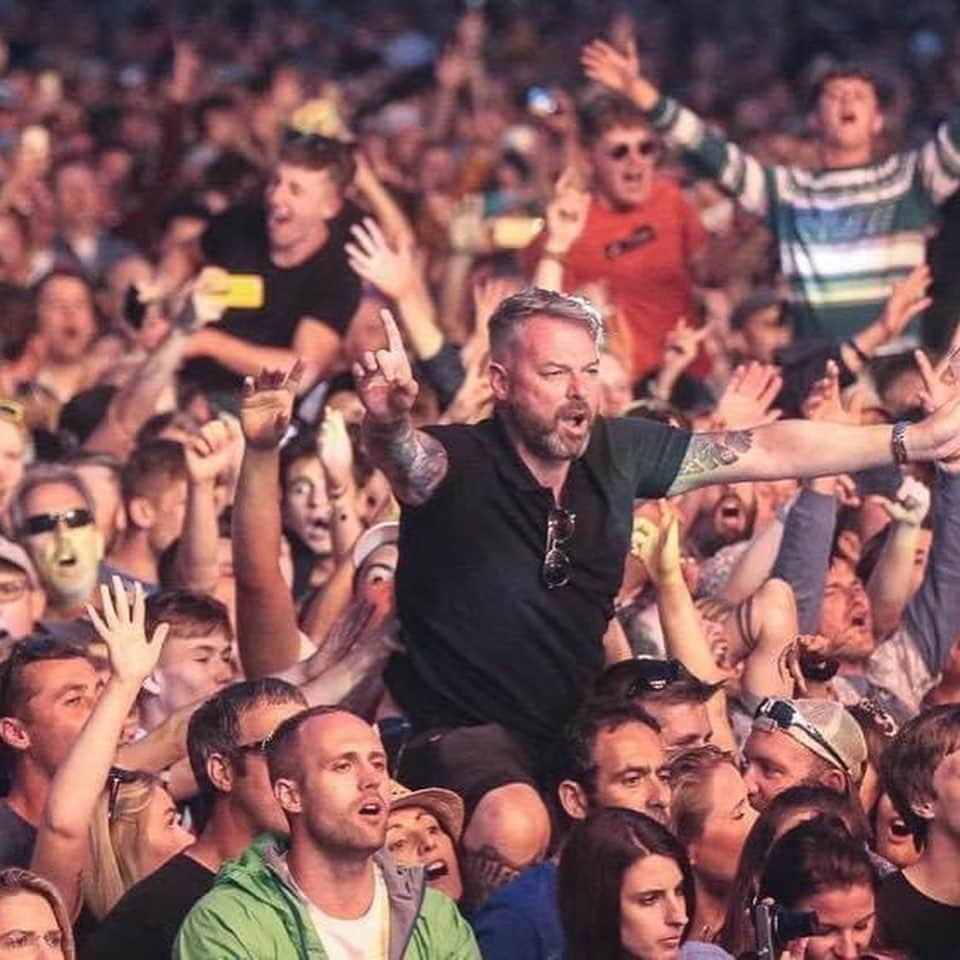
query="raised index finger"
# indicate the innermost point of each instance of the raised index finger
(394, 340)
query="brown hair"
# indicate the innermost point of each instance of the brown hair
(912, 759)
(189, 613)
(315, 152)
(152, 467)
(13, 880)
(606, 111)
(690, 774)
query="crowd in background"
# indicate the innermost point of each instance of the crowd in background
(480, 480)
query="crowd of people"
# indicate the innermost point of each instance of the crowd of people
(480, 481)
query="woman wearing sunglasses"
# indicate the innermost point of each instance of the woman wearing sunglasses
(626, 891)
(93, 843)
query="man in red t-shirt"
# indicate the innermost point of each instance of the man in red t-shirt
(638, 233)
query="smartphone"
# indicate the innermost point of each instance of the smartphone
(884, 481)
(541, 102)
(244, 291)
(514, 233)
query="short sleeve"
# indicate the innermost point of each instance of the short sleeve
(647, 452)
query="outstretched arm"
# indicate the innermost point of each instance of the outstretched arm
(413, 461)
(800, 448)
(736, 172)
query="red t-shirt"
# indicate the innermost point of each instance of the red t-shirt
(644, 255)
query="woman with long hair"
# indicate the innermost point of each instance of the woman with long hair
(134, 830)
(711, 817)
(33, 919)
(625, 889)
(819, 866)
(785, 811)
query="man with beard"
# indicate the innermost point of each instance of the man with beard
(328, 892)
(512, 543)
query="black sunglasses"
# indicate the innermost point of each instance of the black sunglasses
(785, 715)
(655, 676)
(643, 148)
(117, 776)
(255, 746)
(46, 522)
(556, 562)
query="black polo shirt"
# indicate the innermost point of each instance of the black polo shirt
(486, 641)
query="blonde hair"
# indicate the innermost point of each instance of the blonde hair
(115, 843)
(13, 880)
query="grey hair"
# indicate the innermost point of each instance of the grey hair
(513, 313)
(41, 475)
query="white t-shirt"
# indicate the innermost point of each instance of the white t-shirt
(366, 937)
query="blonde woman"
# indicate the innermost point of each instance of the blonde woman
(135, 829)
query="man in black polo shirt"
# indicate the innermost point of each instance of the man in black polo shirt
(512, 542)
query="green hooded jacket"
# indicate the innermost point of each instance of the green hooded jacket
(254, 913)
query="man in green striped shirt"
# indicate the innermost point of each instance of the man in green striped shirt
(847, 231)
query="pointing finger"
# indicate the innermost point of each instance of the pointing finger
(394, 340)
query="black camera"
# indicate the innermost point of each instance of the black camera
(776, 926)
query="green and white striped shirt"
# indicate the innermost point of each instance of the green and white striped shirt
(844, 235)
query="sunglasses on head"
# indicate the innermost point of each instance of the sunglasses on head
(316, 141)
(642, 148)
(783, 714)
(556, 562)
(656, 675)
(47, 522)
(118, 776)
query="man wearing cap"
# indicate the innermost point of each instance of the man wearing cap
(21, 598)
(796, 742)
(423, 829)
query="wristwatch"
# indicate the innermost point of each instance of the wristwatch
(898, 443)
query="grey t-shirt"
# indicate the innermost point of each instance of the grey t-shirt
(17, 838)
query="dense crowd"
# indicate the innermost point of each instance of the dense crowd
(480, 481)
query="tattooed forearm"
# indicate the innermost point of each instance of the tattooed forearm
(708, 453)
(413, 461)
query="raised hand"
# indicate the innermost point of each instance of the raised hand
(451, 69)
(657, 546)
(121, 627)
(384, 379)
(746, 400)
(566, 214)
(907, 299)
(212, 451)
(940, 382)
(824, 401)
(911, 503)
(336, 450)
(267, 406)
(681, 345)
(467, 230)
(616, 69)
(394, 272)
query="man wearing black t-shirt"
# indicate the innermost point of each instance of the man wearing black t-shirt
(297, 246)
(226, 741)
(513, 538)
(918, 908)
